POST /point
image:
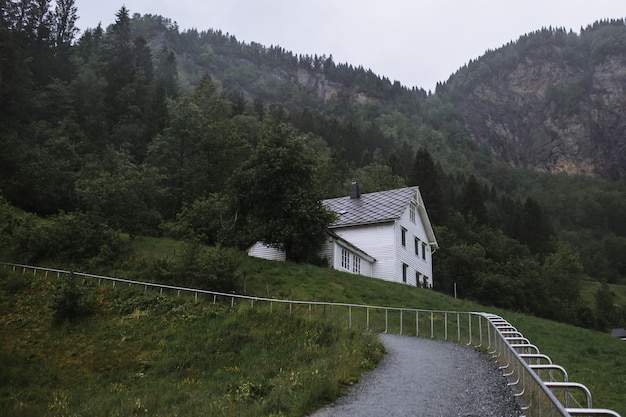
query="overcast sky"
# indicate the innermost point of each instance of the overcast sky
(417, 42)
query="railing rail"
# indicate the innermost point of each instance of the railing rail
(520, 361)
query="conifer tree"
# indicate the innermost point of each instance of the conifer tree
(426, 176)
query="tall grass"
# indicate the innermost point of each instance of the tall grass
(144, 353)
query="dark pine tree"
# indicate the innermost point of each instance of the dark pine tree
(425, 174)
(471, 201)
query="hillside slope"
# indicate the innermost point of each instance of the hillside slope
(552, 101)
(141, 350)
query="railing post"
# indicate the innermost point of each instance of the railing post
(417, 323)
(432, 325)
(386, 320)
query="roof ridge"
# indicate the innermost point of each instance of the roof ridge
(375, 207)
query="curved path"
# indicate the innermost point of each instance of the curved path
(424, 377)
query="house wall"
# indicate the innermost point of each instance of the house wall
(420, 262)
(384, 242)
(263, 251)
(376, 240)
(333, 252)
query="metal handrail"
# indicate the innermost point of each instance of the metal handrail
(534, 394)
(233, 296)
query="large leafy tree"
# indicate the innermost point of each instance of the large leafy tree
(200, 147)
(124, 193)
(279, 196)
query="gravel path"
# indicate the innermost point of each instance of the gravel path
(428, 378)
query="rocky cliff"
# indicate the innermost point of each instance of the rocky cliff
(553, 101)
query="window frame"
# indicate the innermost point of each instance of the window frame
(356, 264)
(345, 259)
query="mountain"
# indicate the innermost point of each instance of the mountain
(554, 100)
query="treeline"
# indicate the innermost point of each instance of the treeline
(581, 50)
(113, 143)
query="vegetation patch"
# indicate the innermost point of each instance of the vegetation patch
(74, 348)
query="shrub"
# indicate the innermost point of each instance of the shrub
(72, 237)
(71, 301)
(197, 266)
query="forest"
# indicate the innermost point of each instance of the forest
(143, 129)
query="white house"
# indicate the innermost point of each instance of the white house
(385, 235)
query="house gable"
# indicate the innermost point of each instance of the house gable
(388, 225)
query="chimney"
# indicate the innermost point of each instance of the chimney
(354, 191)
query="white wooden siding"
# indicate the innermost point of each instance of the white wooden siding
(406, 254)
(261, 250)
(376, 240)
(328, 252)
(332, 251)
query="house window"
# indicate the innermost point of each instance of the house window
(417, 246)
(405, 267)
(403, 237)
(412, 212)
(356, 264)
(418, 282)
(345, 259)
(423, 251)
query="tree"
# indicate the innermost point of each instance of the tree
(426, 176)
(200, 148)
(127, 195)
(278, 194)
(534, 229)
(377, 177)
(64, 30)
(563, 273)
(471, 202)
(605, 307)
(119, 63)
(167, 72)
(209, 220)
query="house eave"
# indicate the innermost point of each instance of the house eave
(344, 225)
(351, 247)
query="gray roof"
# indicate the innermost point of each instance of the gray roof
(379, 207)
(619, 332)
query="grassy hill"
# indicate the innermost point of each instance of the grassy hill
(127, 351)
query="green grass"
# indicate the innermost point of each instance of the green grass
(588, 290)
(144, 353)
(181, 356)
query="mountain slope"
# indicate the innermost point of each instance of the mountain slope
(553, 101)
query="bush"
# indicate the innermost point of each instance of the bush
(70, 301)
(70, 237)
(197, 266)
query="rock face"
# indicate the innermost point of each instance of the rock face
(556, 106)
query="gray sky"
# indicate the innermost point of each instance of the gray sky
(417, 42)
